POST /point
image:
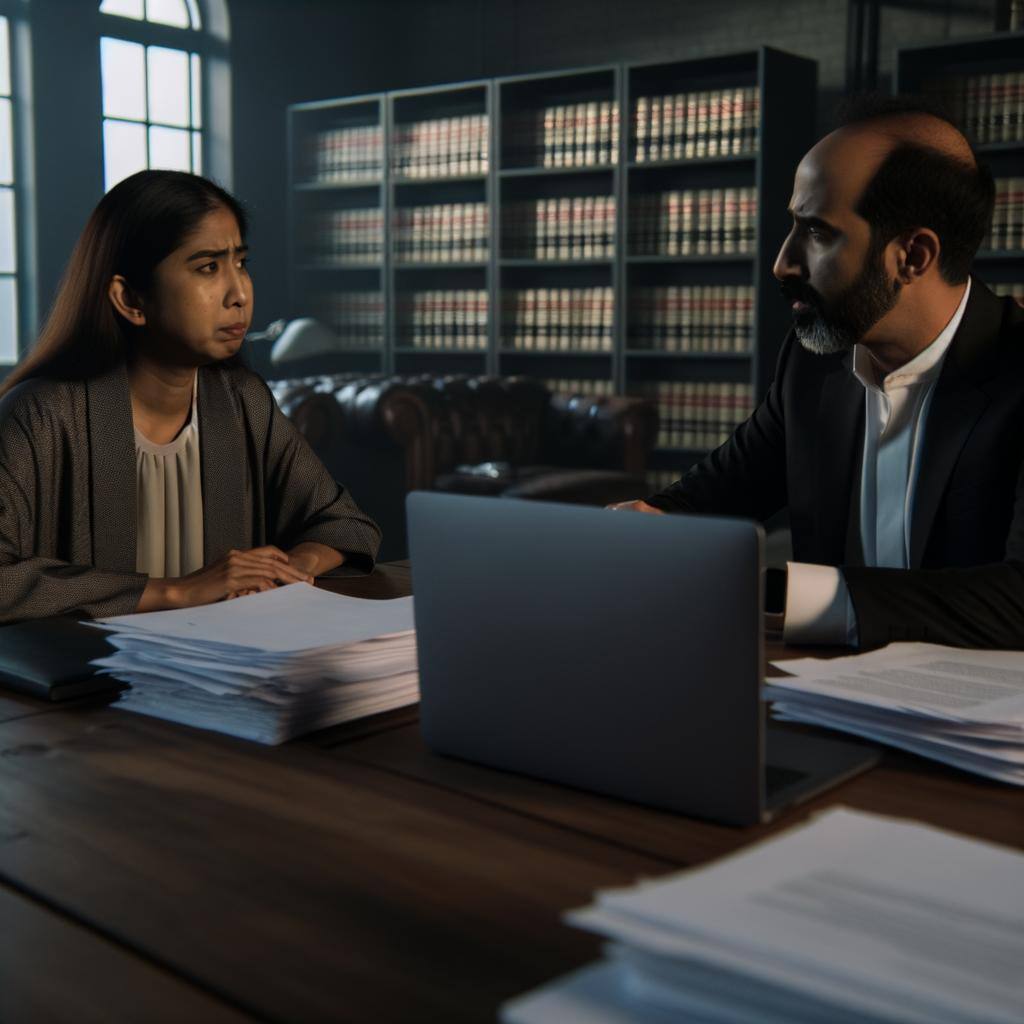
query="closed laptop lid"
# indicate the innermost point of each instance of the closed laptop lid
(613, 651)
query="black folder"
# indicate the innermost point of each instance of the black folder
(49, 658)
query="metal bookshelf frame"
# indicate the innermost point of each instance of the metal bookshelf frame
(980, 55)
(788, 86)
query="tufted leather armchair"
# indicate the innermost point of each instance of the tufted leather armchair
(384, 436)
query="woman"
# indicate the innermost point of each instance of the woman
(141, 466)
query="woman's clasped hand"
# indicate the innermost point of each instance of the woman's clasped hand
(236, 574)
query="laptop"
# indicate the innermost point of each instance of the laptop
(612, 651)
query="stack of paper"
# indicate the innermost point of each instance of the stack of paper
(959, 706)
(851, 918)
(269, 666)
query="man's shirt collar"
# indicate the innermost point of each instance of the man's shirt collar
(925, 366)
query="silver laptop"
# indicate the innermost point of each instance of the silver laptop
(612, 651)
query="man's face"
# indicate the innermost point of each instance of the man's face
(836, 280)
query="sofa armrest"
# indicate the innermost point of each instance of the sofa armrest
(614, 431)
(392, 412)
(315, 415)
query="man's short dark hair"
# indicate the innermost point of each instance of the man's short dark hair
(918, 186)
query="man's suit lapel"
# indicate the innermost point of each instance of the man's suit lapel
(222, 448)
(112, 465)
(839, 441)
(956, 405)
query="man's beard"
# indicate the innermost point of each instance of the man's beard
(827, 328)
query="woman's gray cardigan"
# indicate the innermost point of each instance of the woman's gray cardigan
(68, 516)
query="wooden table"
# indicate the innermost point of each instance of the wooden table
(151, 872)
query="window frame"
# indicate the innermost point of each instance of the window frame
(211, 44)
(22, 179)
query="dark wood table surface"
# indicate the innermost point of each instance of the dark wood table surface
(152, 872)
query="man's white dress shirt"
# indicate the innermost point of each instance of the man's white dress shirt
(818, 606)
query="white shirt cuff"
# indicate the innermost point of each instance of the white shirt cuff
(818, 606)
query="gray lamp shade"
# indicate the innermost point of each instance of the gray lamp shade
(303, 338)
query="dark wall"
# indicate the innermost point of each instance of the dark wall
(288, 52)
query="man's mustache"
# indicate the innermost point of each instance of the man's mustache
(797, 291)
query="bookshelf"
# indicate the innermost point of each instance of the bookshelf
(606, 229)
(440, 251)
(705, 215)
(558, 268)
(981, 81)
(337, 206)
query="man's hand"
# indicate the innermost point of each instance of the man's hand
(639, 505)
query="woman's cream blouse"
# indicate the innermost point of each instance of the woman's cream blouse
(170, 503)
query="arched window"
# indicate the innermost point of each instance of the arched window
(8, 204)
(160, 62)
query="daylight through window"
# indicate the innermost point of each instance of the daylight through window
(151, 94)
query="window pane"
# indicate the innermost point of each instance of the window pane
(8, 264)
(168, 86)
(8, 321)
(6, 144)
(123, 8)
(169, 149)
(197, 94)
(5, 59)
(167, 12)
(193, 13)
(197, 153)
(124, 79)
(124, 150)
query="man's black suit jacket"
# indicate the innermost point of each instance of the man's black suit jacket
(802, 449)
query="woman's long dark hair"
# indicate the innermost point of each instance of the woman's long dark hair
(136, 225)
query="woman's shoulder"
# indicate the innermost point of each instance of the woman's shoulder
(248, 385)
(41, 399)
(247, 391)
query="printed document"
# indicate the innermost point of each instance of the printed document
(852, 917)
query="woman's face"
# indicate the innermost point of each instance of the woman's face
(199, 306)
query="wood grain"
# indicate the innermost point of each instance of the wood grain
(19, 705)
(903, 785)
(293, 884)
(388, 580)
(52, 969)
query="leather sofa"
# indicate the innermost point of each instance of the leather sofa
(383, 436)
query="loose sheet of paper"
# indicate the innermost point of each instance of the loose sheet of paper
(962, 707)
(269, 666)
(287, 619)
(944, 682)
(861, 910)
(850, 919)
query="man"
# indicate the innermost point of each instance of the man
(894, 429)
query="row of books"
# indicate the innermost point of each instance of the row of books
(444, 319)
(694, 222)
(697, 318)
(1007, 231)
(688, 126)
(698, 414)
(346, 236)
(441, 147)
(567, 135)
(559, 319)
(345, 154)
(990, 107)
(356, 316)
(577, 227)
(587, 388)
(1014, 289)
(442, 233)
